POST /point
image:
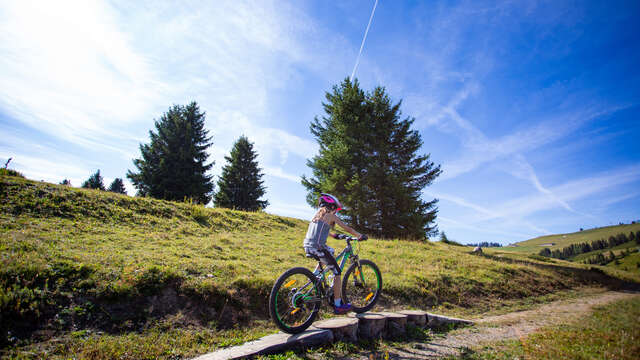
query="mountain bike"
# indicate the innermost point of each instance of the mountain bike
(298, 293)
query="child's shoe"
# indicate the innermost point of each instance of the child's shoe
(341, 309)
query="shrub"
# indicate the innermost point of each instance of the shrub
(10, 172)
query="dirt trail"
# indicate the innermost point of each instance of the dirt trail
(509, 326)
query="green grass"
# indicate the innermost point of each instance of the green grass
(75, 259)
(533, 246)
(628, 263)
(158, 341)
(611, 332)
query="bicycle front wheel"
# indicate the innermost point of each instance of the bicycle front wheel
(362, 285)
(294, 300)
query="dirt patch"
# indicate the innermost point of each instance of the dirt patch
(516, 325)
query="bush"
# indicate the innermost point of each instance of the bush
(10, 172)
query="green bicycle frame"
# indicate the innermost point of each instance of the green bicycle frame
(342, 258)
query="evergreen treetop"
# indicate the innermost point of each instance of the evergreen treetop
(368, 157)
(117, 186)
(94, 182)
(173, 166)
(241, 186)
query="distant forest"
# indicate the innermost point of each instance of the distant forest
(486, 244)
(581, 248)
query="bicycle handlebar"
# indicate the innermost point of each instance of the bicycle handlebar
(350, 238)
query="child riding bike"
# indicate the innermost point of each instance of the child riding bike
(315, 243)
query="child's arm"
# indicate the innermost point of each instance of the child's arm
(346, 227)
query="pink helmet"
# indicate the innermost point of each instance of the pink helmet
(329, 201)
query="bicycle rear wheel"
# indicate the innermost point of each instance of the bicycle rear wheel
(294, 300)
(362, 285)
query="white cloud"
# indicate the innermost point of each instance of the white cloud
(448, 223)
(572, 190)
(516, 211)
(617, 199)
(521, 168)
(273, 144)
(279, 173)
(94, 74)
(478, 149)
(300, 211)
(50, 170)
(479, 219)
(68, 71)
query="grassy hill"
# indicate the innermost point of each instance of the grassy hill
(85, 273)
(533, 246)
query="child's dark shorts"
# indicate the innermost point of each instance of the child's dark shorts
(325, 256)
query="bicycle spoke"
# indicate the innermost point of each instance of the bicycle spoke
(362, 285)
(291, 308)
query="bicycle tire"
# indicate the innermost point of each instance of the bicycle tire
(370, 303)
(273, 301)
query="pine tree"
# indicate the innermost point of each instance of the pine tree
(545, 252)
(117, 186)
(173, 166)
(369, 159)
(240, 186)
(94, 182)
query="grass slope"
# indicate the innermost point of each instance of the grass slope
(109, 276)
(533, 246)
(627, 263)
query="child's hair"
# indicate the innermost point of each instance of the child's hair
(320, 214)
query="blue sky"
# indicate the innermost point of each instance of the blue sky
(531, 107)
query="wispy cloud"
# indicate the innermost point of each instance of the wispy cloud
(569, 191)
(280, 173)
(516, 212)
(449, 223)
(521, 168)
(478, 149)
(70, 72)
(273, 144)
(297, 210)
(94, 73)
(478, 220)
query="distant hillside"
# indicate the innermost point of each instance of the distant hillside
(87, 273)
(559, 241)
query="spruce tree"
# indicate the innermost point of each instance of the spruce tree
(173, 166)
(117, 186)
(369, 159)
(240, 186)
(94, 182)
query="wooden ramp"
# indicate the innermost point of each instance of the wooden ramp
(370, 325)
